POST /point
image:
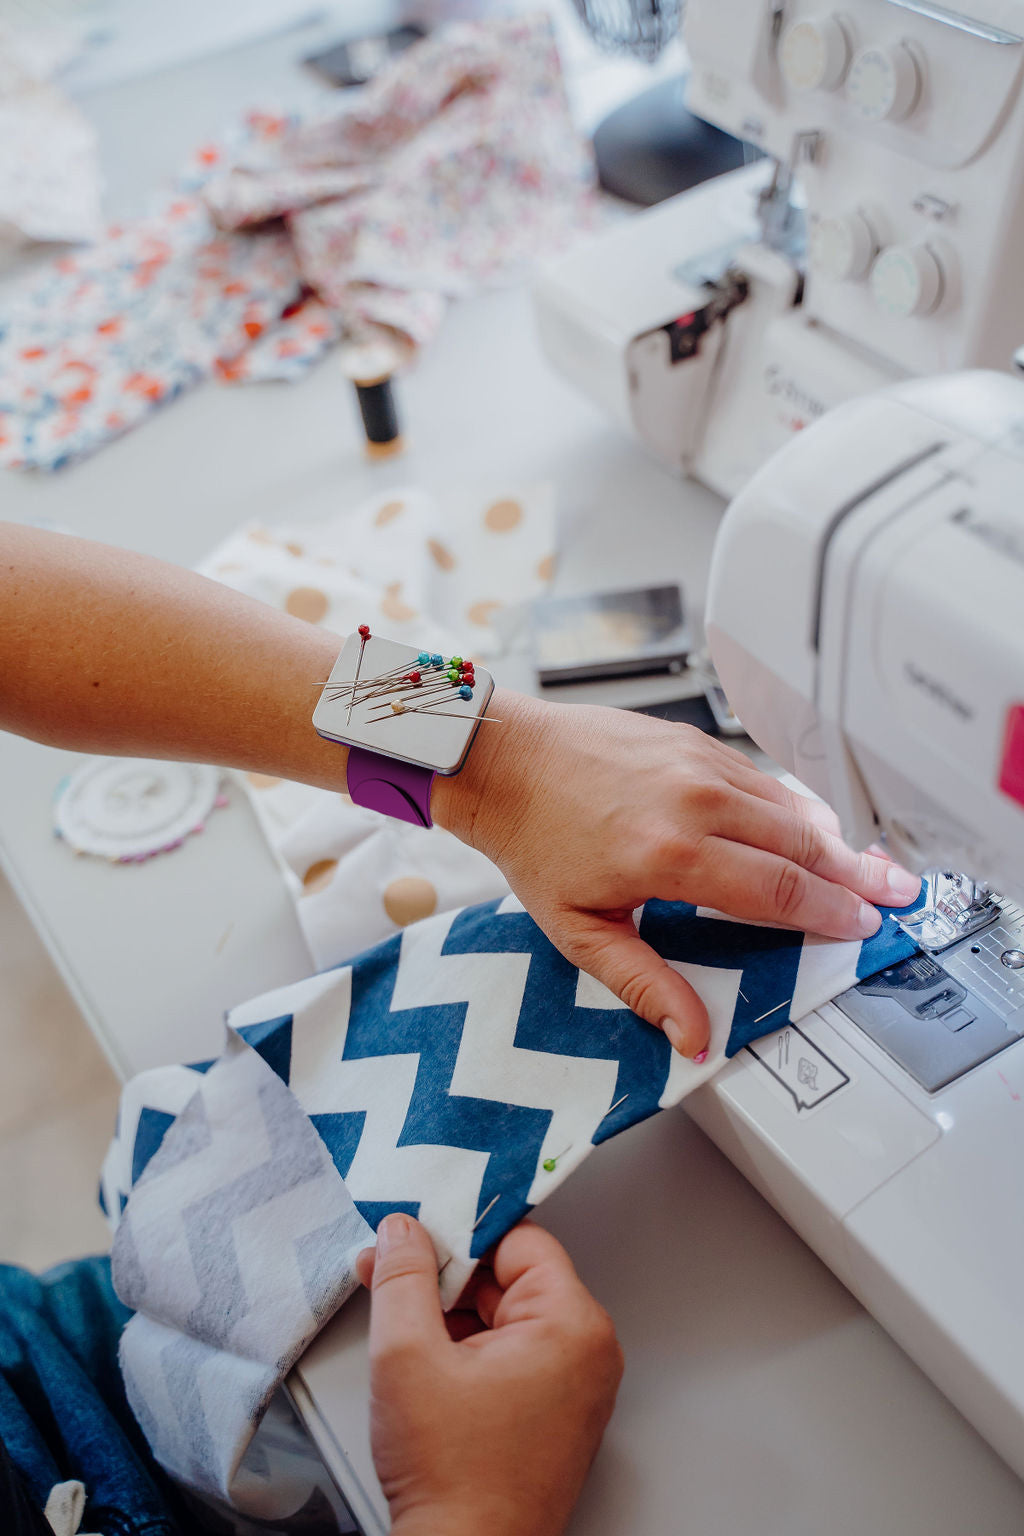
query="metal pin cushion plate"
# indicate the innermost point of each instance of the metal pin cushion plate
(416, 706)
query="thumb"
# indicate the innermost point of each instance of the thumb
(405, 1304)
(611, 950)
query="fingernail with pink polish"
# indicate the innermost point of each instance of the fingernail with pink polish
(701, 1057)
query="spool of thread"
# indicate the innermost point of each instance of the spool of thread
(371, 369)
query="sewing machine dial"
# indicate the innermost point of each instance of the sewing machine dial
(814, 54)
(884, 83)
(843, 248)
(907, 280)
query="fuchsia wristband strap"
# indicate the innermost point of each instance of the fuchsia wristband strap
(394, 788)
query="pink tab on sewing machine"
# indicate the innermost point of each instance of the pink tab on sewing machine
(1011, 773)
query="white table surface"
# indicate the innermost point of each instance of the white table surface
(759, 1399)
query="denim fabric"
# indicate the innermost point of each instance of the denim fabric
(20, 1511)
(63, 1411)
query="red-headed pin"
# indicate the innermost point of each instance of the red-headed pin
(364, 635)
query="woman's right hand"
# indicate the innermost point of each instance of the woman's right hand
(487, 1420)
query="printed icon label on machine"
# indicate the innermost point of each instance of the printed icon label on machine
(801, 1071)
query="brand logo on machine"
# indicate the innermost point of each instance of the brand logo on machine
(783, 387)
(1004, 538)
(937, 690)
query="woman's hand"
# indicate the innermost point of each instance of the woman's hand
(490, 1423)
(591, 812)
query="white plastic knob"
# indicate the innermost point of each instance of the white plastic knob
(884, 83)
(842, 248)
(907, 280)
(814, 53)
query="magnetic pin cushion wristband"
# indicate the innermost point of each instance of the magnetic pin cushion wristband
(405, 716)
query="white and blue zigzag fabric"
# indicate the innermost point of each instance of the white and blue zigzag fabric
(459, 1072)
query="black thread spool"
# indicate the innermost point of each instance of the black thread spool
(371, 370)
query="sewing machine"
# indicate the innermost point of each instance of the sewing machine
(864, 615)
(866, 600)
(877, 240)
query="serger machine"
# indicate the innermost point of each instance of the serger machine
(866, 616)
(878, 239)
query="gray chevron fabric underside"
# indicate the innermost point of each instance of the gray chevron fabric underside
(222, 1313)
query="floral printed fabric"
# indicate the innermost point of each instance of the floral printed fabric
(49, 175)
(457, 167)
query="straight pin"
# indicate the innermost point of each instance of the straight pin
(364, 635)
(376, 687)
(445, 714)
(371, 686)
(391, 679)
(485, 1212)
(615, 1106)
(784, 1004)
(448, 694)
(346, 682)
(393, 685)
(451, 715)
(420, 691)
(426, 693)
(445, 697)
(551, 1163)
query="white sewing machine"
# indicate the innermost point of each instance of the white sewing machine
(880, 240)
(866, 616)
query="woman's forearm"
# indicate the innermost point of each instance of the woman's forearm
(103, 650)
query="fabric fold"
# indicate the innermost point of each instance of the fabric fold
(238, 1242)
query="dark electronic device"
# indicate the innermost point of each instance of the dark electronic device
(609, 634)
(652, 147)
(692, 711)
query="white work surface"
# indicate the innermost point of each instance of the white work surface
(759, 1398)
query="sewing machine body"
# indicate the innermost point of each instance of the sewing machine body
(865, 616)
(866, 600)
(896, 130)
(914, 1201)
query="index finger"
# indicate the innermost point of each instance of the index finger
(761, 824)
(758, 886)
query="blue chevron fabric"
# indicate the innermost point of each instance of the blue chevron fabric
(459, 1072)
(567, 1023)
(391, 1025)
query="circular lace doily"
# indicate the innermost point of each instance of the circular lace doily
(128, 809)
